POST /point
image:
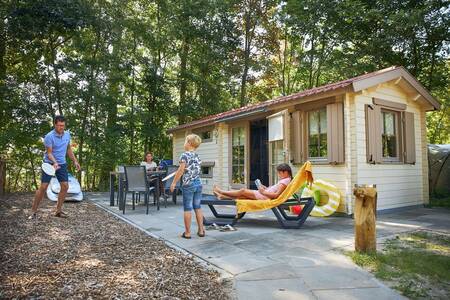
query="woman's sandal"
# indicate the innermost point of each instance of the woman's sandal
(201, 234)
(184, 236)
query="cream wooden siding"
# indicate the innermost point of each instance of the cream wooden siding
(215, 151)
(208, 152)
(178, 145)
(397, 184)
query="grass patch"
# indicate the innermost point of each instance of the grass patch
(440, 198)
(416, 264)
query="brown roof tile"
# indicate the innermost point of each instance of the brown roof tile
(255, 106)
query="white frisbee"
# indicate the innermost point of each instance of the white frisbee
(48, 169)
(169, 176)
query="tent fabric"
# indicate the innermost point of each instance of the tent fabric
(439, 168)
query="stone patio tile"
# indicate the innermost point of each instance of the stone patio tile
(242, 262)
(336, 277)
(279, 289)
(214, 249)
(271, 272)
(260, 246)
(301, 257)
(358, 293)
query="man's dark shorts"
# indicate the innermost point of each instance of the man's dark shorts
(61, 174)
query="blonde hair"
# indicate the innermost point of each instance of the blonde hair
(193, 140)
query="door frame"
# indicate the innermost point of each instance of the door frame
(286, 139)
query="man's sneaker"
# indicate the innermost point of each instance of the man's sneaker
(61, 214)
(33, 216)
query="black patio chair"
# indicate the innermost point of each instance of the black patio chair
(136, 183)
(168, 182)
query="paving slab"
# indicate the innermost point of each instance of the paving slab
(358, 293)
(241, 262)
(336, 277)
(280, 289)
(274, 271)
(268, 262)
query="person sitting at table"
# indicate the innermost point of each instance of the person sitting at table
(148, 162)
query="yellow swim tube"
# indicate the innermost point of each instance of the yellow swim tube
(334, 198)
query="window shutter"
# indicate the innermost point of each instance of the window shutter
(335, 133)
(409, 138)
(373, 134)
(296, 137)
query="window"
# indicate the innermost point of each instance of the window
(389, 134)
(205, 134)
(238, 155)
(207, 169)
(276, 159)
(317, 133)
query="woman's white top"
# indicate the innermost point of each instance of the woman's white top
(149, 166)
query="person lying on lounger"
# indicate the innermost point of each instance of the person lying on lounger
(263, 193)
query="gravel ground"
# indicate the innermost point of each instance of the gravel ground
(91, 255)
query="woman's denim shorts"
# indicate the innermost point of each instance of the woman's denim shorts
(192, 195)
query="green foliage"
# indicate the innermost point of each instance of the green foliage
(124, 71)
(414, 264)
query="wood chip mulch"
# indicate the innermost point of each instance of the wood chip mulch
(92, 255)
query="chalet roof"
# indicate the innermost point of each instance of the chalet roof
(355, 84)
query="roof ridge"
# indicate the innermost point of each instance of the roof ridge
(311, 91)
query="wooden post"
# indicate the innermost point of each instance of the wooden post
(365, 217)
(2, 176)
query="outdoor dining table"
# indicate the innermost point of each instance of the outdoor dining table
(113, 175)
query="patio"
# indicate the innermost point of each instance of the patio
(267, 262)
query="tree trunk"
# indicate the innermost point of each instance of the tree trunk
(56, 80)
(183, 82)
(133, 87)
(247, 50)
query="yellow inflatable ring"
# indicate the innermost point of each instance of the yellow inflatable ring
(334, 198)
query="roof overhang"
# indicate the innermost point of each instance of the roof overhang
(241, 115)
(396, 73)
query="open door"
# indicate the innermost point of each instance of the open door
(259, 152)
(277, 124)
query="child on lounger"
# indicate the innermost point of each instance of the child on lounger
(263, 193)
(191, 186)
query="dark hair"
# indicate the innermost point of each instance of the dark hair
(284, 168)
(147, 153)
(59, 118)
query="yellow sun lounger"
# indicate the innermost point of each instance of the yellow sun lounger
(278, 205)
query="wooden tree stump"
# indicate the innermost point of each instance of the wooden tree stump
(365, 218)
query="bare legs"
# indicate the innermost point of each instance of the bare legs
(62, 195)
(38, 197)
(187, 221)
(241, 193)
(199, 218)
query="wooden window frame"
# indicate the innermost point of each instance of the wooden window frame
(399, 138)
(319, 159)
(245, 126)
(210, 165)
(199, 132)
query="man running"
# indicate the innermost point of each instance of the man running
(57, 145)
